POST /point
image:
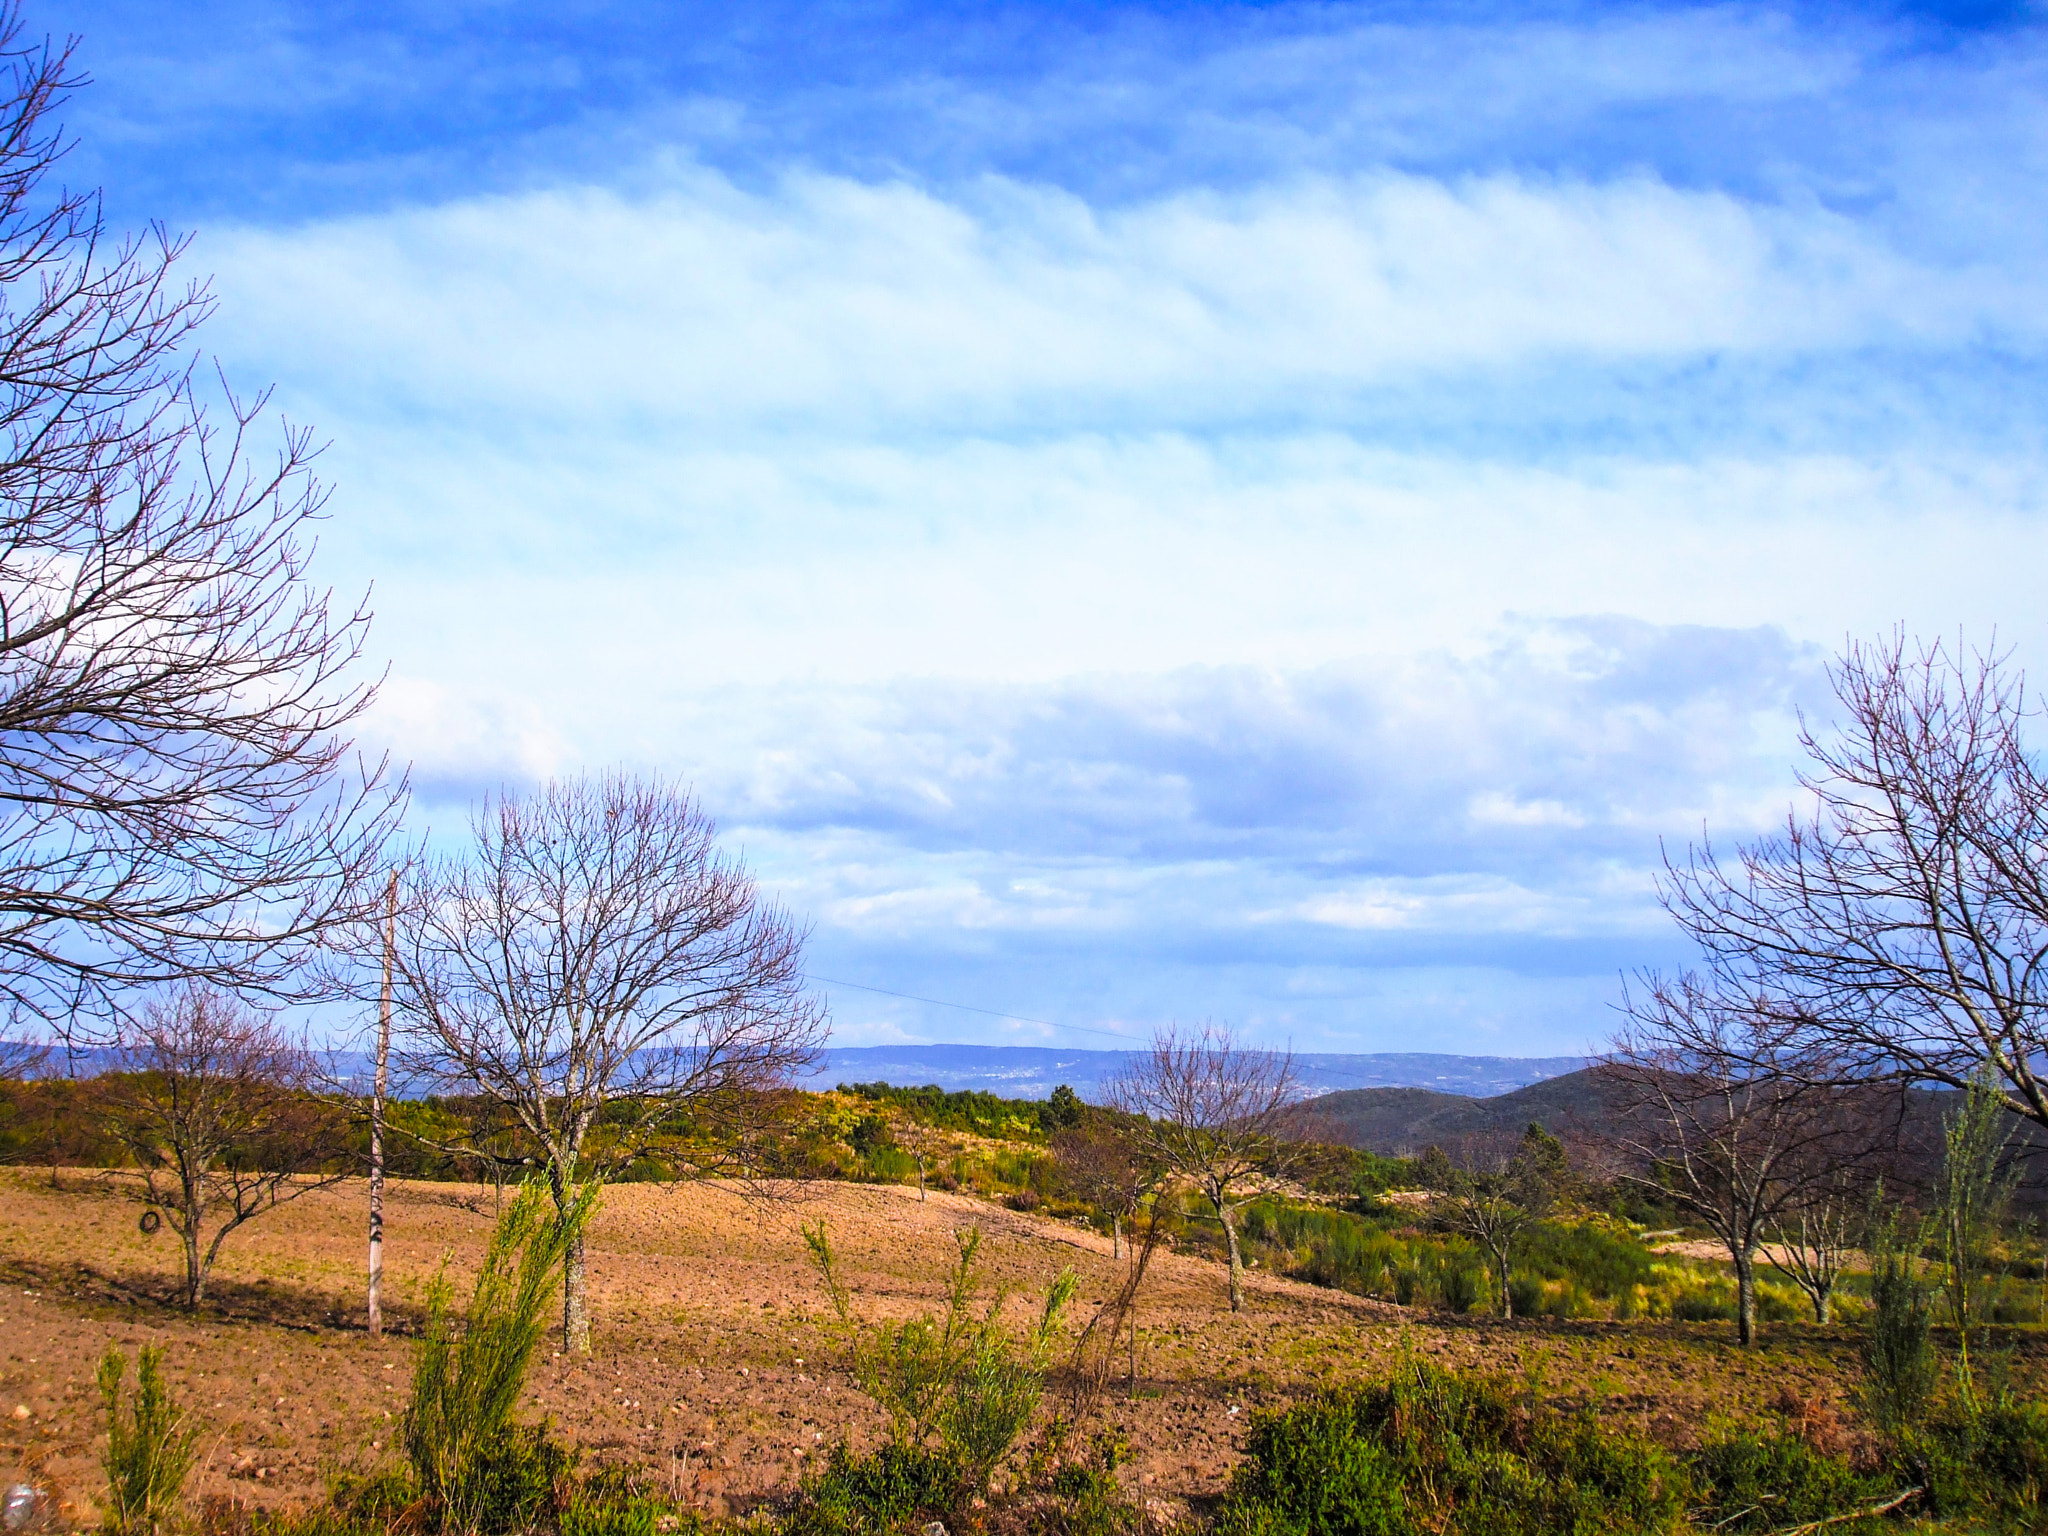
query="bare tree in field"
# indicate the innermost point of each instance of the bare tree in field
(1810, 1244)
(1492, 1190)
(216, 1105)
(595, 966)
(178, 798)
(1726, 1109)
(1215, 1113)
(1100, 1162)
(1901, 924)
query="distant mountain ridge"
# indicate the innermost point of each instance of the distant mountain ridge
(1032, 1072)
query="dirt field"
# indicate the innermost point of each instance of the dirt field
(715, 1361)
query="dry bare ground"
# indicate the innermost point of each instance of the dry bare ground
(716, 1363)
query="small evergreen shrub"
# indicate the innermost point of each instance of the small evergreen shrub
(149, 1448)
(1899, 1364)
(616, 1502)
(1762, 1482)
(953, 1384)
(1431, 1451)
(1987, 1467)
(895, 1487)
(472, 1467)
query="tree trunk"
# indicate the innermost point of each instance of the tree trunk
(1116, 1237)
(193, 1203)
(1507, 1299)
(1745, 1298)
(380, 1085)
(920, 1181)
(1224, 1215)
(1823, 1303)
(195, 1270)
(575, 1304)
(575, 1312)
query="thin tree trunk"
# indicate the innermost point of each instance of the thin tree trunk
(1116, 1237)
(920, 1181)
(575, 1313)
(1745, 1298)
(381, 1083)
(1223, 1214)
(1507, 1299)
(195, 1272)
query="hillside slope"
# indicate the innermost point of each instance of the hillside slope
(1399, 1121)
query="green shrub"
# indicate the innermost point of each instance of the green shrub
(895, 1487)
(1898, 1355)
(950, 1377)
(1429, 1450)
(1526, 1291)
(508, 1479)
(1753, 1482)
(149, 1449)
(1465, 1287)
(1988, 1466)
(1311, 1472)
(1603, 1262)
(616, 1502)
(472, 1468)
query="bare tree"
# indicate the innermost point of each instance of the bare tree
(1101, 1163)
(177, 794)
(596, 967)
(216, 1105)
(1729, 1111)
(1493, 1190)
(1810, 1244)
(1902, 922)
(1215, 1113)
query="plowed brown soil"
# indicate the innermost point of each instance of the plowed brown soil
(715, 1363)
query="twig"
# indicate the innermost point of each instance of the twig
(1856, 1514)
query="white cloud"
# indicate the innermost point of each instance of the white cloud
(885, 306)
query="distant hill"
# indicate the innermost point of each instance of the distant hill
(1032, 1072)
(1398, 1121)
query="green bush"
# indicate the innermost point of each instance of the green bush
(1311, 1472)
(949, 1378)
(1753, 1482)
(1602, 1262)
(1429, 1450)
(472, 1468)
(895, 1487)
(1464, 1287)
(506, 1482)
(1988, 1467)
(616, 1502)
(149, 1449)
(1899, 1364)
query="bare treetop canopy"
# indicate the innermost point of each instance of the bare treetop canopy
(176, 796)
(597, 939)
(1900, 926)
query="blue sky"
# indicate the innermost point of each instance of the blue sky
(1264, 513)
